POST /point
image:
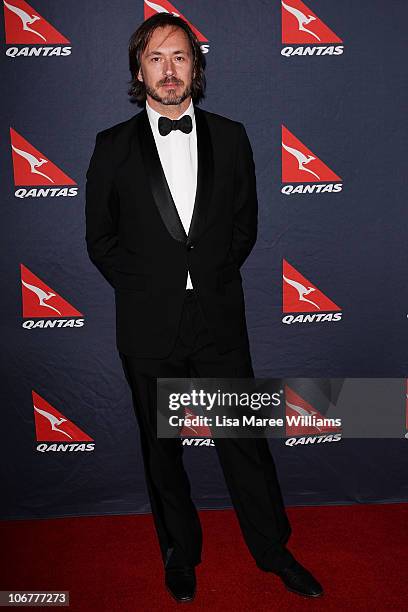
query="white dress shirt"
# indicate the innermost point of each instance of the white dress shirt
(178, 156)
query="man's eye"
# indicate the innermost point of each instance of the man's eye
(180, 57)
(155, 58)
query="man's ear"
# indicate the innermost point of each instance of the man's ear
(140, 75)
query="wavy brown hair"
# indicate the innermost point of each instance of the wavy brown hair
(138, 43)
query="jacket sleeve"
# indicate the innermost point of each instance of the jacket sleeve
(245, 201)
(102, 209)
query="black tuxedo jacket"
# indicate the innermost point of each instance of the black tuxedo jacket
(135, 237)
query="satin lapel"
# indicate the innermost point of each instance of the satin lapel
(158, 183)
(205, 176)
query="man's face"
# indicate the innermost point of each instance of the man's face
(167, 66)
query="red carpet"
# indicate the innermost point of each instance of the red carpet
(359, 553)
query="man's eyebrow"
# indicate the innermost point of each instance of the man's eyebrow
(160, 53)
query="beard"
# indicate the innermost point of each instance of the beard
(170, 97)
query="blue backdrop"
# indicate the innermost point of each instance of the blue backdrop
(342, 99)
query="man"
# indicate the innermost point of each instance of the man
(171, 216)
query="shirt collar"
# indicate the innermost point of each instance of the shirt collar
(154, 115)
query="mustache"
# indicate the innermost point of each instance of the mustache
(170, 82)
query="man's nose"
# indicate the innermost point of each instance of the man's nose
(169, 67)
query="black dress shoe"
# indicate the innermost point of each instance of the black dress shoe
(298, 579)
(181, 583)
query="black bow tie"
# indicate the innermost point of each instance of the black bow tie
(184, 124)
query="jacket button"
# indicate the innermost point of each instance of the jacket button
(190, 246)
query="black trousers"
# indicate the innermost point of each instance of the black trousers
(247, 463)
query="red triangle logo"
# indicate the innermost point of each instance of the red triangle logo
(196, 431)
(24, 26)
(301, 26)
(296, 406)
(300, 295)
(32, 167)
(300, 165)
(40, 301)
(51, 425)
(152, 7)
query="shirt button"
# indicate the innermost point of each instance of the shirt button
(190, 246)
